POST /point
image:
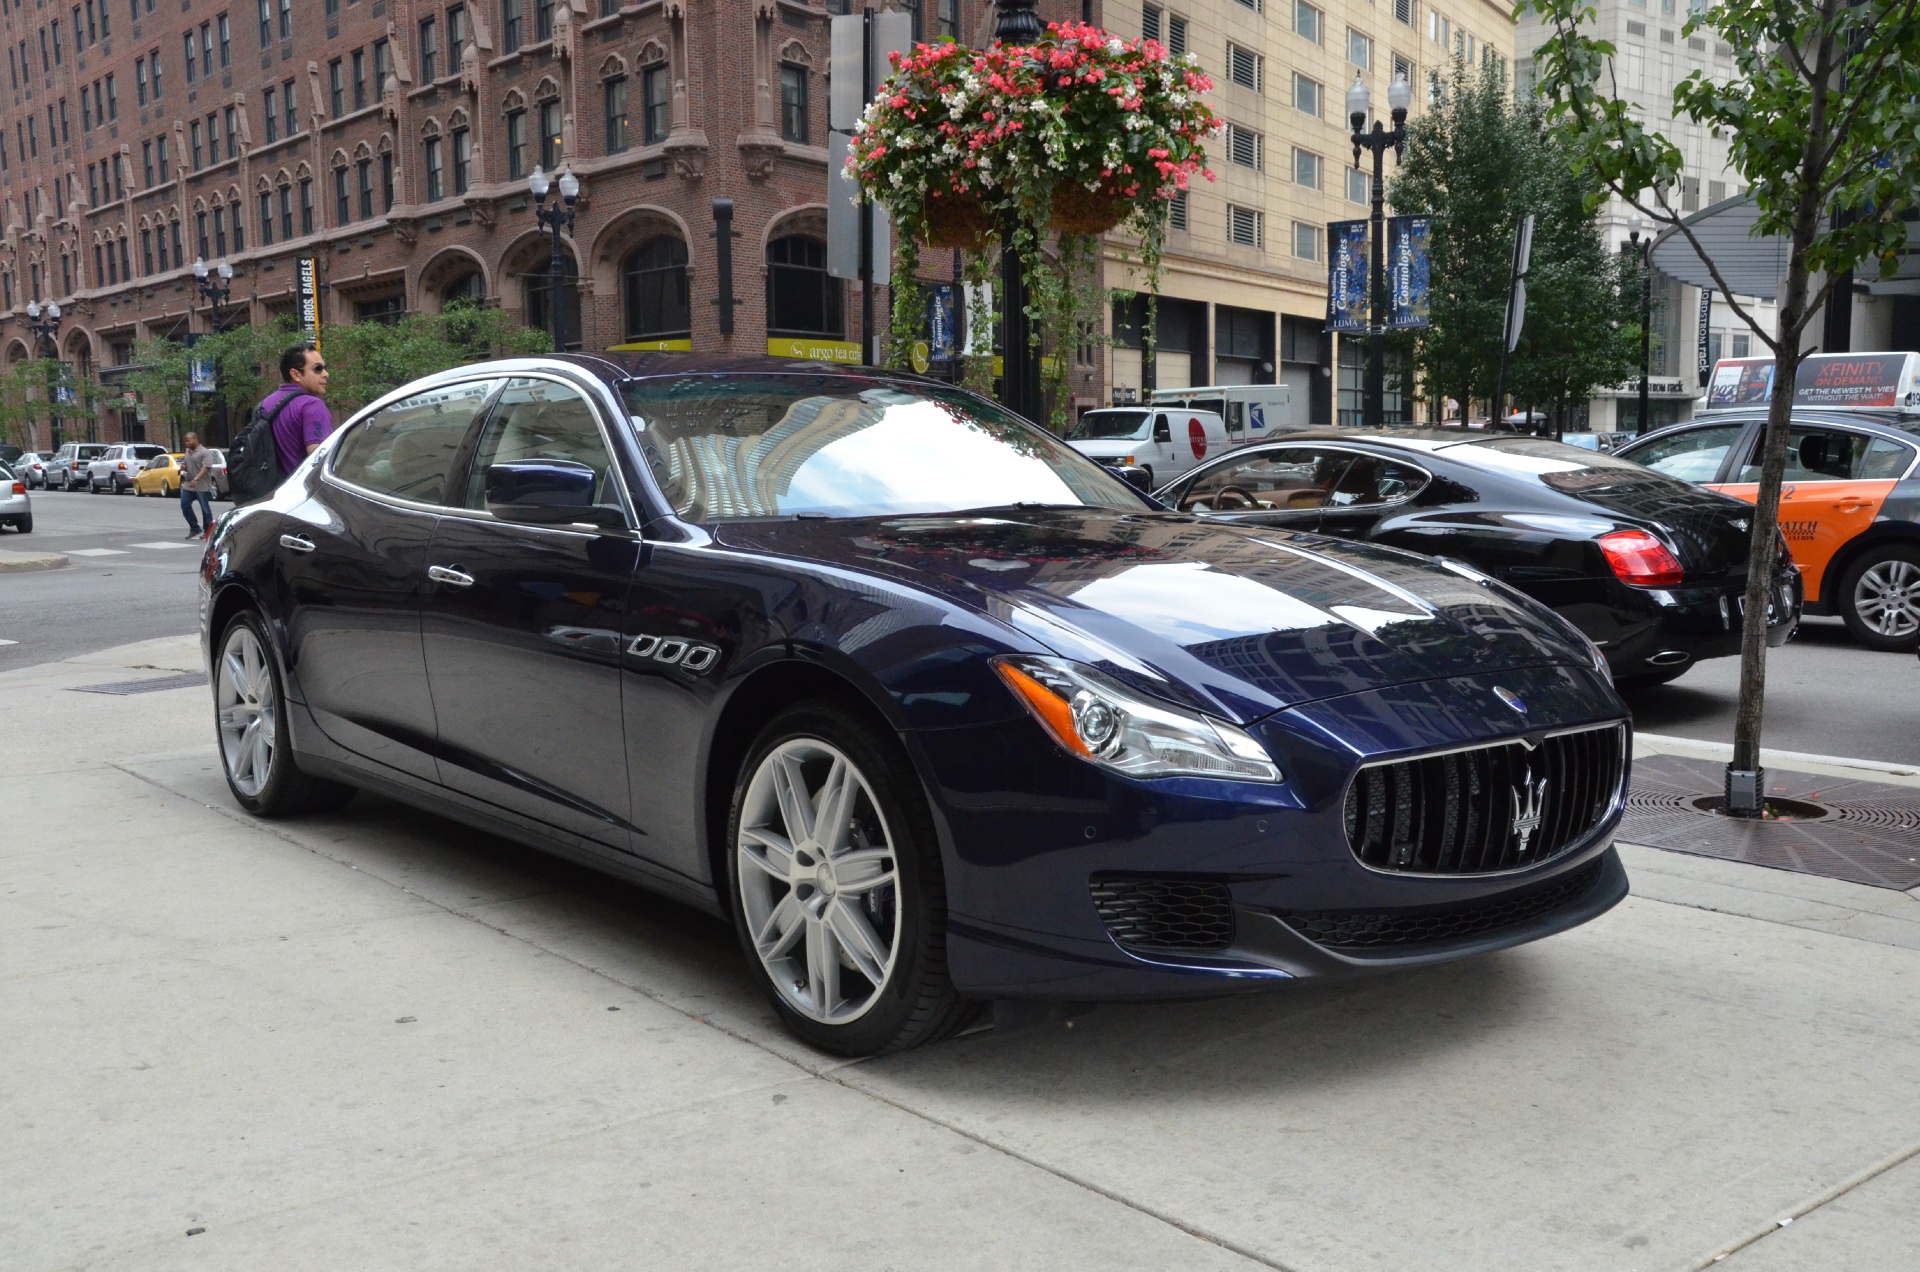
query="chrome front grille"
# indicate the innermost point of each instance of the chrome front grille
(1486, 808)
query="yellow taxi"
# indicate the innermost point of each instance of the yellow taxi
(161, 476)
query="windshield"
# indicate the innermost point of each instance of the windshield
(728, 448)
(1104, 425)
(1567, 469)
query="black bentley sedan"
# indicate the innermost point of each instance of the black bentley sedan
(1652, 569)
(933, 709)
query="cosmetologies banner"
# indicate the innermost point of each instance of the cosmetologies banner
(1409, 271)
(1349, 263)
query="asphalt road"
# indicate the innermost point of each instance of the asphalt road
(1824, 693)
(132, 577)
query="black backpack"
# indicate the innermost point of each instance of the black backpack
(253, 458)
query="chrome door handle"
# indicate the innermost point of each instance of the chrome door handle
(452, 578)
(296, 543)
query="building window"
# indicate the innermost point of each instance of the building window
(654, 89)
(359, 78)
(239, 225)
(1245, 226)
(654, 279)
(1245, 147)
(337, 88)
(226, 42)
(1177, 211)
(365, 171)
(146, 162)
(266, 218)
(516, 144)
(219, 229)
(382, 63)
(206, 49)
(1403, 12)
(1306, 21)
(146, 250)
(456, 36)
(1306, 95)
(1359, 50)
(200, 235)
(1150, 21)
(386, 181)
(462, 160)
(286, 100)
(616, 90)
(550, 138)
(429, 50)
(793, 103)
(1357, 186)
(1403, 68)
(1306, 169)
(165, 174)
(139, 80)
(1244, 67)
(542, 20)
(801, 297)
(286, 19)
(1306, 240)
(271, 98)
(511, 17)
(387, 310)
(1176, 35)
(179, 255)
(231, 118)
(193, 65)
(435, 177)
(266, 23)
(342, 199)
(286, 211)
(213, 139)
(153, 59)
(193, 137)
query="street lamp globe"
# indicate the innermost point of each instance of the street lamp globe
(53, 311)
(225, 271)
(1358, 102)
(199, 269)
(538, 183)
(1400, 96)
(569, 186)
(33, 310)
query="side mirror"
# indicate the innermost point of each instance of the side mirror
(547, 492)
(1139, 478)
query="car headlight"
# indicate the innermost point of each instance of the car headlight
(1096, 718)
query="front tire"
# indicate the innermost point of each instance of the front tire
(1880, 598)
(250, 718)
(839, 899)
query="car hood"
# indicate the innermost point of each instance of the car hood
(1239, 621)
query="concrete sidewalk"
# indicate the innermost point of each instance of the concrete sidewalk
(377, 1039)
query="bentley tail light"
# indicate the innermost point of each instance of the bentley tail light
(1640, 559)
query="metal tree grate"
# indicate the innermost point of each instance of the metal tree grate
(1871, 833)
(186, 680)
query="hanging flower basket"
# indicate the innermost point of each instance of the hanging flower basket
(1074, 209)
(958, 222)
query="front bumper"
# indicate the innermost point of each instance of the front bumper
(1029, 831)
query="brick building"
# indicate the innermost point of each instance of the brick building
(392, 141)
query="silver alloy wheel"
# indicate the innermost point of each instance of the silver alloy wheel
(243, 699)
(818, 881)
(1887, 598)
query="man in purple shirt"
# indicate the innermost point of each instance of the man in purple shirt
(302, 424)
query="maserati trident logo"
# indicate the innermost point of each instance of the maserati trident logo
(1528, 799)
(1511, 698)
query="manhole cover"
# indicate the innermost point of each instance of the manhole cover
(1862, 832)
(187, 680)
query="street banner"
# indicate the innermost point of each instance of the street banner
(943, 322)
(1349, 265)
(200, 376)
(307, 287)
(63, 391)
(1703, 353)
(1409, 271)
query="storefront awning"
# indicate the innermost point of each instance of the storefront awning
(1756, 266)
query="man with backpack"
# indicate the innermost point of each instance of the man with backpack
(287, 426)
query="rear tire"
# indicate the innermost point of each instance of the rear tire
(25, 524)
(837, 890)
(1880, 598)
(250, 724)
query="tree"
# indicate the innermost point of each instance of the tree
(1822, 119)
(1477, 162)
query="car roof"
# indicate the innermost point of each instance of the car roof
(616, 365)
(1420, 439)
(1906, 429)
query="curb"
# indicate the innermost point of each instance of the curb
(21, 562)
(1798, 761)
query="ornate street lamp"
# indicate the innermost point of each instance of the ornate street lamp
(1645, 252)
(554, 220)
(215, 286)
(47, 328)
(1015, 22)
(1379, 141)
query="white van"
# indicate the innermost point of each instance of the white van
(1253, 412)
(1164, 442)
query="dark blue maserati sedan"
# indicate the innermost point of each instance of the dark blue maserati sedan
(935, 710)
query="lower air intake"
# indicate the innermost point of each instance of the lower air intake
(1394, 929)
(1173, 916)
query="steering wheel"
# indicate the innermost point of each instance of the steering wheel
(1233, 499)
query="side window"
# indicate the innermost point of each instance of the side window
(409, 449)
(1814, 454)
(541, 419)
(1275, 481)
(1162, 431)
(1694, 455)
(1886, 461)
(1373, 479)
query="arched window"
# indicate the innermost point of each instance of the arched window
(655, 275)
(539, 293)
(801, 297)
(469, 286)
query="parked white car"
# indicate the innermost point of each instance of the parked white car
(1165, 443)
(16, 506)
(114, 471)
(70, 464)
(31, 468)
